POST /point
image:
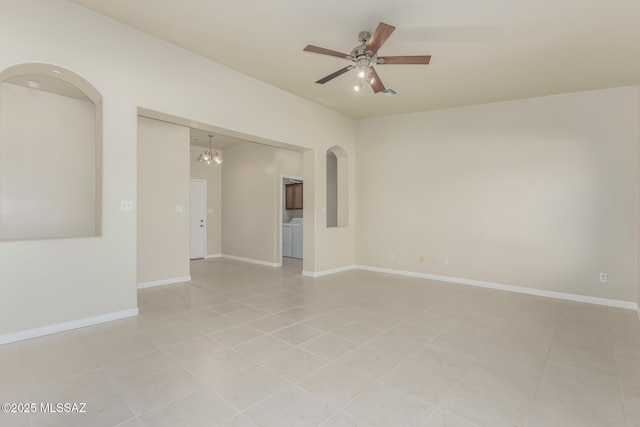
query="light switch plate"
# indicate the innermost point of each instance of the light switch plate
(179, 208)
(126, 205)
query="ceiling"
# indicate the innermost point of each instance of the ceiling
(482, 51)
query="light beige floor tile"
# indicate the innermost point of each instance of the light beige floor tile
(356, 333)
(159, 389)
(197, 409)
(291, 407)
(394, 343)
(12, 385)
(336, 385)
(464, 342)
(294, 364)
(54, 368)
(299, 314)
(496, 344)
(182, 319)
(349, 313)
(590, 315)
(297, 334)
(104, 406)
(627, 346)
(208, 360)
(483, 407)
(248, 314)
(239, 421)
(559, 415)
(443, 360)
(237, 335)
(262, 348)
(116, 350)
(379, 321)
(343, 420)
(579, 337)
(415, 331)
(277, 307)
(248, 387)
(601, 362)
(369, 361)
(139, 368)
(258, 300)
(230, 307)
(325, 322)
(413, 378)
(328, 346)
(382, 406)
(440, 418)
(165, 337)
(271, 323)
(133, 422)
(579, 387)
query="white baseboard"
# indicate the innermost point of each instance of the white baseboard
(170, 281)
(510, 288)
(213, 256)
(328, 272)
(252, 261)
(66, 326)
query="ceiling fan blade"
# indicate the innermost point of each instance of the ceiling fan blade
(380, 36)
(377, 84)
(323, 51)
(336, 74)
(421, 59)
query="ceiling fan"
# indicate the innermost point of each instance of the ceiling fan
(365, 55)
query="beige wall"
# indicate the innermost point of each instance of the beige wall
(47, 165)
(213, 175)
(537, 192)
(250, 200)
(163, 184)
(133, 70)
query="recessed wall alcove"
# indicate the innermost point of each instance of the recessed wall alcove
(50, 154)
(337, 187)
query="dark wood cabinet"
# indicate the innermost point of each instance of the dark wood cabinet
(293, 196)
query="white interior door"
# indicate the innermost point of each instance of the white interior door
(197, 224)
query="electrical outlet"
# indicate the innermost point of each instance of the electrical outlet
(603, 277)
(445, 261)
(126, 205)
(392, 256)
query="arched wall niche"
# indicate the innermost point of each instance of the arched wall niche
(337, 187)
(50, 154)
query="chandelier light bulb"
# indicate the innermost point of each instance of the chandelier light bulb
(357, 87)
(361, 74)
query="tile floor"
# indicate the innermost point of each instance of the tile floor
(250, 346)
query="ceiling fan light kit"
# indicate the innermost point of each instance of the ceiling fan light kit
(365, 55)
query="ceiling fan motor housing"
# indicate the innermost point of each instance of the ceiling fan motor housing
(364, 36)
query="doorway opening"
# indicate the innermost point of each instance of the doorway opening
(291, 218)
